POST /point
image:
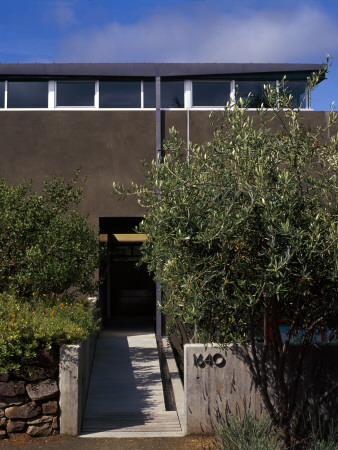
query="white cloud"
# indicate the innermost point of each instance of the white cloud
(209, 35)
(62, 13)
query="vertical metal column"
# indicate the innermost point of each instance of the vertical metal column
(108, 293)
(158, 162)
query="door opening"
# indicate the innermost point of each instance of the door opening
(132, 291)
(128, 289)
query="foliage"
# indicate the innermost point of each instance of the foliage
(45, 246)
(248, 433)
(243, 232)
(44, 322)
(234, 433)
(323, 436)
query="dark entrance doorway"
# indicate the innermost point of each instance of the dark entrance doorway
(132, 292)
(128, 289)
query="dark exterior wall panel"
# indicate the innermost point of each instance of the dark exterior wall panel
(107, 145)
(177, 119)
(201, 128)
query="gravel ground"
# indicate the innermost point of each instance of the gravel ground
(74, 443)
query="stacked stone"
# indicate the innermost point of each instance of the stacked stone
(29, 400)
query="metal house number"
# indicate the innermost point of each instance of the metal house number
(217, 360)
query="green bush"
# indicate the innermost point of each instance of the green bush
(45, 245)
(316, 432)
(248, 433)
(44, 322)
(235, 433)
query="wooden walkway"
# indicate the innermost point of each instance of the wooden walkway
(125, 397)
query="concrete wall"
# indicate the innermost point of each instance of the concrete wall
(221, 383)
(210, 387)
(75, 369)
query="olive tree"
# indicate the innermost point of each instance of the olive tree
(243, 232)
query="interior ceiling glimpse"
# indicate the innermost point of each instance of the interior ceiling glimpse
(130, 237)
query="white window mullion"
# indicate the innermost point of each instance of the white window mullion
(233, 92)
(142, 94)
(97, 95)
(308, 98)
(51, 94)
(277, 90)
(188, 94)
(6, 94)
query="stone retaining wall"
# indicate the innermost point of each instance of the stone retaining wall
(49, 396)
(29, 399)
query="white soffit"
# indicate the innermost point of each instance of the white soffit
(132, 237)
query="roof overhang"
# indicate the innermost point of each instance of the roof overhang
(98, 70)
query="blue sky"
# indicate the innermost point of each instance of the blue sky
(174, 31)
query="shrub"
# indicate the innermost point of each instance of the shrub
(45, 245)
(44, 322)
(316, 432)
(233, 433)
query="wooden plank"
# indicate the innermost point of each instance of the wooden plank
(132, 434)
(114, 416)
(99, 428)
(126, 397)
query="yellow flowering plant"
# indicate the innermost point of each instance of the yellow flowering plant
(48, 321)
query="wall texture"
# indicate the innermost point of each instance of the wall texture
(29, 398)
(219, 383)
(107, 145)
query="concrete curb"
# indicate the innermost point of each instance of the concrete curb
(75, 368)
(176, 383)
(76, 361)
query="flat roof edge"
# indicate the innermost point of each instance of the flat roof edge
(150, 69)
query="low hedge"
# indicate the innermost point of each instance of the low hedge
(42, 323)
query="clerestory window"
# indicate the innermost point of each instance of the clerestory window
(120, 94)
(253, 92)
(210, 93)
(149, 94)
(136, 94)
(298, 91)
(172, 94)
(75, 93)
(2, 94)
(27, 94)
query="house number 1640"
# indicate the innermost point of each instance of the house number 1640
(217, 360)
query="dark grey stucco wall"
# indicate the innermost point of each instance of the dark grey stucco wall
(107, 145)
